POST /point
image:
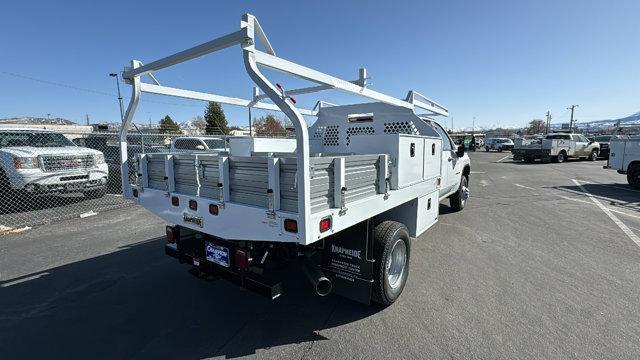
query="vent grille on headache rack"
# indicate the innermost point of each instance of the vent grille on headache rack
(332, 135)
(359, 130)
(401, 127)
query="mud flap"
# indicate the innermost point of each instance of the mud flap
(348, 262)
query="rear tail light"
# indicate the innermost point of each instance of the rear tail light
(291, 225)
(325, 224)
(175, 201)
(135, 193)
(172, 234)
(193, 205)
(213, 209)
(241, 259)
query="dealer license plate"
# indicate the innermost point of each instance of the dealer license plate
(217, 254)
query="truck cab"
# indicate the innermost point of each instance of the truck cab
(456, 168)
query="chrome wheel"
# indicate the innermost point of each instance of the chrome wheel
(396, 264)
(464, 191)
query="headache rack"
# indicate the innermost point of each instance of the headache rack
(356, 161)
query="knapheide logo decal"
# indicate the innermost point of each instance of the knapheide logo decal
(344, 251)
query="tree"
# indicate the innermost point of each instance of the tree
(168, 126)
(215, 119)
(269, 126)
(536, 126)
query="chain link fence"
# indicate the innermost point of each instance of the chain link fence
(47, 176)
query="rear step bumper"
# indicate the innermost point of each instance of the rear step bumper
(248, 280)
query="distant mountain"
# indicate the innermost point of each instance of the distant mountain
(30, 120)
(633, 119)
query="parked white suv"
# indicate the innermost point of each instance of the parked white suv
(198, 143)
(37, 162)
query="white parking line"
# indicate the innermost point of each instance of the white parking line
(606, 210)
(24, 279)
(504, 158)
(522, 186)
(610, 209)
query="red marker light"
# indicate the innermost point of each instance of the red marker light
(213, 209)
(135, 193)
(241, 259)
(193, 205)
(175, 201)
(325, 224)
(291, 225)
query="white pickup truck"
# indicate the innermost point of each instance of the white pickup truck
(624, 156)
(198, 143)
(39, 162)
(340, 205)
(556, 147)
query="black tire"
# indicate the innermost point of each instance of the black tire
(562, 156)
(633, 175)
(529, 159)
(499, 149)
(486, 148)
(7, 193)
(388, 235)
(594, 155)
(458, 200)
(95, 194)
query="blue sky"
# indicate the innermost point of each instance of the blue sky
(502, 62)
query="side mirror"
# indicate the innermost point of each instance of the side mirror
(460, 151)
(199, 147)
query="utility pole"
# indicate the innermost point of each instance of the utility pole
(571, 122)
(115, 76)
(87, 115)
(548, 121)
(473, 125)
(451, 124)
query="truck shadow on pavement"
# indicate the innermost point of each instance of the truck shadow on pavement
(136, 302)
(619, 195)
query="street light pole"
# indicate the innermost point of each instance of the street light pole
(115, 76)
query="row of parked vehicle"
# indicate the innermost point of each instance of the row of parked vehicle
(35, 162)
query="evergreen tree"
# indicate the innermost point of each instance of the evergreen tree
(215, 119)
(168, 126)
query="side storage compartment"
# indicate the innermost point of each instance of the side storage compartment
(432, 158)
(406, 155)
(417, 214)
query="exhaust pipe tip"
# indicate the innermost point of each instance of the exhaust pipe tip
(323, 286)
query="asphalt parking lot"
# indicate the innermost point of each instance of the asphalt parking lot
(542, 264)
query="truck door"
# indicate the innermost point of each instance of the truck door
(449, 161)
(581, 144)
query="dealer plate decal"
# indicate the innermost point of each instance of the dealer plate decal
(217, 254)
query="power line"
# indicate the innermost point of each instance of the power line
(90, 91)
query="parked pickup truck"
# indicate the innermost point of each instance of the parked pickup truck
(37, 162)
(556, 147)
(341, 205)
(198, 143)
(624, 156)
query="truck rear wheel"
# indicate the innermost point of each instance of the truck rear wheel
(633, 175)
(562, 156)
(392, 249)
(594, 155)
